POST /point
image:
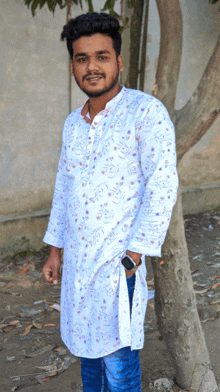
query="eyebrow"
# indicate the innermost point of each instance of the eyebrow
(82, 54)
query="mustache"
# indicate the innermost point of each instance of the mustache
(93, 74)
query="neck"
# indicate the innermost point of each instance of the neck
(96, 105)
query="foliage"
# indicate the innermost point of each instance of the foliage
(52, 4)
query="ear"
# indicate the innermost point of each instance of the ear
(120, 63)
(71, 68)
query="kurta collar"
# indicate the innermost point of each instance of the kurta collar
(108, 106)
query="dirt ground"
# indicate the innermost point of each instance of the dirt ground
(32, 355)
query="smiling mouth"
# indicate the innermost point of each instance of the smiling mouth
(93, 78)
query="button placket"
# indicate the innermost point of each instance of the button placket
(91, 137)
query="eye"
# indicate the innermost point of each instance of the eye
(81, 60)
(102, 58)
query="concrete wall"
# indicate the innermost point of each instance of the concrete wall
(34, 103)
(37, 95)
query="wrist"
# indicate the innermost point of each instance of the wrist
(136, 257)
(55, 251)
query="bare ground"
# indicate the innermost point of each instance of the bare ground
(21, 348)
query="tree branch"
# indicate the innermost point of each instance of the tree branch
(170, 52)
(135, 34)
(196, 117)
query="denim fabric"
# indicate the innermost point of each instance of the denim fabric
(117, 372)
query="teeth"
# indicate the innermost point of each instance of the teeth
(94, 78)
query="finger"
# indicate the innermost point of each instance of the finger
(55, 275)
(47, 274)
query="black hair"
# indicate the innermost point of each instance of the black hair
(89, 24)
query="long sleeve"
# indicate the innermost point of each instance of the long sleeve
(156, 139)
(56, 226)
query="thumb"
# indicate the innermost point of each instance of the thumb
(55, 275)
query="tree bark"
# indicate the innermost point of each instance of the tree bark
(175, 301)
(202, 109)
(144, 47)
(135, 33)
(170, 52)
(177, 315)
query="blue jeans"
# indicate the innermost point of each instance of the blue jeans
(117, 372)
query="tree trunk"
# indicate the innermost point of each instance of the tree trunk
(176, 311)
(175, 301)
(202, 109)
(144, 47)
(171, 31)
(135, 34)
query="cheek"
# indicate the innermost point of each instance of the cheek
(111, 70)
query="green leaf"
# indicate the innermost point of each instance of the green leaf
(80, 3)
(34, 5)
(126, 20)
(51, 5)
(109, 5)
(113, 13)
(131, 3)
(91, 9)
(121, 29)
(27, 2)
(41, 4)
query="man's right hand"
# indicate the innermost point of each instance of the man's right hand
(52, 266)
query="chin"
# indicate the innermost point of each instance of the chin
(98, 93)
(93, 94)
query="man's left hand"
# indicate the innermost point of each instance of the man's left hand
(136, 257)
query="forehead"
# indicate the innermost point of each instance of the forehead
(92, 44)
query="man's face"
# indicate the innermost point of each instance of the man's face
(94, 65)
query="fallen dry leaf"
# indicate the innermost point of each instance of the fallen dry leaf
(8, 328)
(24, 270)
(162, 262)
(48, 368)
(215, 285)
(3, 325)
(215, 302)
(47, 378)
(14, 322)
(37, 325)
(49, 325)
(27, 330)
(201, 291)
(52, 370)
(40, 351)
(11, 324)
(208, 319)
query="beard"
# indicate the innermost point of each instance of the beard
(97, 94)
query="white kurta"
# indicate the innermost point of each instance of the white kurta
(115, 189)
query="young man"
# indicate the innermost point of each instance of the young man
(115, 189)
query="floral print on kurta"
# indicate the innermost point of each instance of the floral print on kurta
(115, 189)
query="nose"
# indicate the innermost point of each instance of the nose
(92, 65)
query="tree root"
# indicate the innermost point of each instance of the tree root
(203, 379)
